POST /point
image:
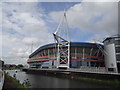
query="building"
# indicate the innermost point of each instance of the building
(112, 57)
(81, 54)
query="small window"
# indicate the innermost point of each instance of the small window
(110, 69)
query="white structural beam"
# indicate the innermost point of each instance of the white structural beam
(63, 45)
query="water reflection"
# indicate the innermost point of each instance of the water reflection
(41, 81)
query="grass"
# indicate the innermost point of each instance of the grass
(11, 82)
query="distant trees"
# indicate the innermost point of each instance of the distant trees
(19, 66)
(13, 66)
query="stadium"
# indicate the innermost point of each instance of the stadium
(82, 54)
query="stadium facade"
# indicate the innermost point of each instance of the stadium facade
(82, 54)
(112, 58)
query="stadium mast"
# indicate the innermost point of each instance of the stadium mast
(62, 38)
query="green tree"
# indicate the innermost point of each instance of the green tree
(20, 66)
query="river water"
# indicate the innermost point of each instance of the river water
(42, 81)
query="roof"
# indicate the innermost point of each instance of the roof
(72, 44)
(112, 37)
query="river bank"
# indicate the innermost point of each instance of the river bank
(11, 82)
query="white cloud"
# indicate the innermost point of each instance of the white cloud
(9, 41)
(19, 52)
(92, 16)
(97, 38)
(30, 40)
(22, 25)
(28, 19)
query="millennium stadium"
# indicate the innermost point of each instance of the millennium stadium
(81, 54)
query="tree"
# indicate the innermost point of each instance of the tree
(20, 66)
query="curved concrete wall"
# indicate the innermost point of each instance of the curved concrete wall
(110, 58)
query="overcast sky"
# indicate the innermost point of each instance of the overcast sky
(24, 23)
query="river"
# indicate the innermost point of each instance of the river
(42, 81)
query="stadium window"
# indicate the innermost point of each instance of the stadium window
(87, 63)
(110, 69)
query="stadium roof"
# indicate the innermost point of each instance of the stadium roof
(72, 44)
